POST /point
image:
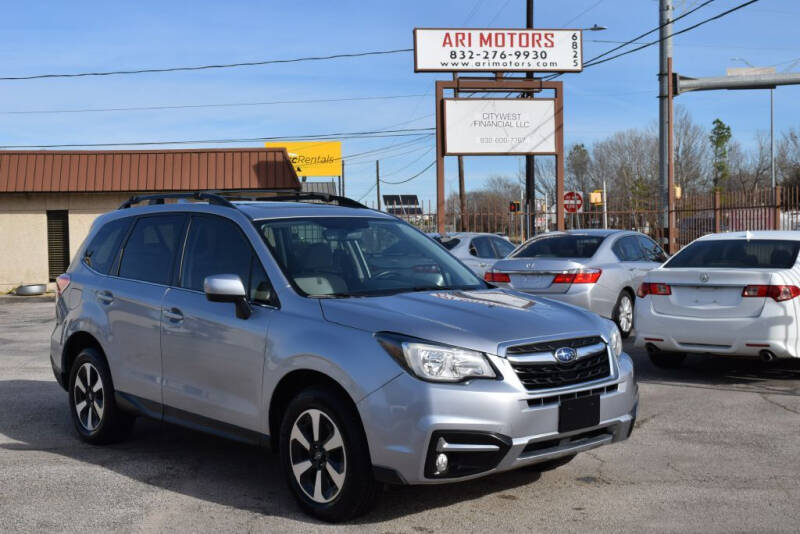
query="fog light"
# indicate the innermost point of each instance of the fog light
(441, 464)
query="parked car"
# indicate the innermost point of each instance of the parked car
(724, 294)
(355, 346)
(479, 251)
(599, 270)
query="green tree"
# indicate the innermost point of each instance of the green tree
(720, 137)
(578, 165)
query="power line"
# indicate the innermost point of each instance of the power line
(311, 137)
(367, 193)
(499, 11)
(226, 105)
(409, 164)
(689, 28)
(413, 177)
(582, 13)
(208, 67)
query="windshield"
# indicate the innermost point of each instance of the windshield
(737, 254)
(355, 256)
(561, 246)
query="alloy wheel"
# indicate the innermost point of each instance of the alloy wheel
(317, 455)
(89, 397)
(625, 313)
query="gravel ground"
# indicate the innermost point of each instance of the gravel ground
(715, 450)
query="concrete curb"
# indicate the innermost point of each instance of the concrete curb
(14, 299)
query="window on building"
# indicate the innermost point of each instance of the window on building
(57, 243)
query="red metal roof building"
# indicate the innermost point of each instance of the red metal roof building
(48, 199)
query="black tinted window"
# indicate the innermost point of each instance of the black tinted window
(481, 247)
(449, 244)
(260, 288)
(102, 251)
(737, 253)
(214, 246)
(561, 246)
(628, 249)
(502, 247)
(151, 249)
(652, 252)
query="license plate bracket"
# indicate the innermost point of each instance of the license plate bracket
(574, 414)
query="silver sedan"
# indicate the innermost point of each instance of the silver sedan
(478, 251)
(599, 270)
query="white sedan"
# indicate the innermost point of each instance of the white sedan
(479, 251)
(724, 294)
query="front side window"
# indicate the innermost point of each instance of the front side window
(151, 248)
(354, 256)
(502, 247)
(481, 247)
(102, 251)
(561, 246)
(214, 246)
(737, 254)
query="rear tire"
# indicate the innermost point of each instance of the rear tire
(95, 414)
(325, 456)
(623, 313)
(667, 360)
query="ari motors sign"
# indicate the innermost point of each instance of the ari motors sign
(495, 50)
(499, 126)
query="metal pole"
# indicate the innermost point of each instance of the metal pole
(378, 182)
(772, 136)
(605, 206)
(462, 195)
(530, 169)
(664, 120)
(342, 177)
(440, 207)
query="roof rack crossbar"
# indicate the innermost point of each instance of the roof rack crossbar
(158, 198)
(324, 197)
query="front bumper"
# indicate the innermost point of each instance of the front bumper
(739, 336)
(406, 417)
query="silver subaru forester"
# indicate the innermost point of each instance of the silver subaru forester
(344, 338)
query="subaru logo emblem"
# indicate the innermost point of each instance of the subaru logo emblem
(566, 354)
(704, 277)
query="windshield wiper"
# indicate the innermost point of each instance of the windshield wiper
(331, 296)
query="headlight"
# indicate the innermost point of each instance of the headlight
(437, 363)
(616, 341)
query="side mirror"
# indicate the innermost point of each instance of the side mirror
(228, 288)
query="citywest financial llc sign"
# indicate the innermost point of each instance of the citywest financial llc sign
(497, 50)
(499, 126)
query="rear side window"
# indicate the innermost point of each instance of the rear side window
(561, 246)
(104, 247)
(215, 246)
(449, 244)
(502, 247)
(628, 249)
(737, 254)
(150, 251)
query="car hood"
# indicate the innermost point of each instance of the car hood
(478, 320)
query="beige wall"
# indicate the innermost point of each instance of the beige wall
(23, 230)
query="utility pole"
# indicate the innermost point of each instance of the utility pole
(378, 182)
(341, 182)
(665, 120)
(530, 177)
(772, 136)
(462, 196)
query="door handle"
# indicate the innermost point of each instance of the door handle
(173, 314)
(105, 297)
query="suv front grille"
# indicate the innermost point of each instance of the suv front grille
(538, 375)
(552, 346)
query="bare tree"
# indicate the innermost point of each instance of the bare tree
(787, 159)
(692, 157)
(749, 169)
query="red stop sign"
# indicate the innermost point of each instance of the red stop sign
(573, 202)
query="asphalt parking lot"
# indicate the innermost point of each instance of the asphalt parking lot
(715, 450)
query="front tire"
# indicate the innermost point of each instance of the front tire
(325, 456)
(95, 414)
(623, 313)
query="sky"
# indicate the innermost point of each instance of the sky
(67, 37)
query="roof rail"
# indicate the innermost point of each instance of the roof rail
(296, 197)
(158, 198)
